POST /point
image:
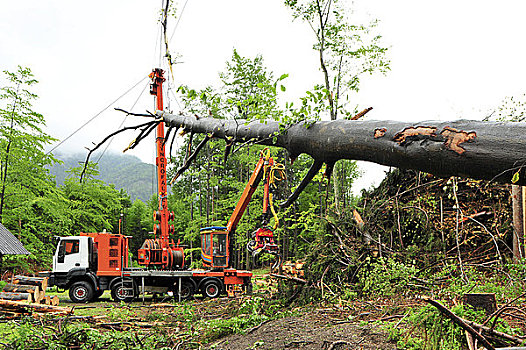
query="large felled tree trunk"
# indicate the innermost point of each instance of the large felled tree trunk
(466, 148)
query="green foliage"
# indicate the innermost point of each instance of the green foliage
(93, 205)
(138, 222)
(347, 50)
(249, 91)
(385, 277)
(512, 108)
(30, 205)
(427, 328)
(34, 336)
(508, 283)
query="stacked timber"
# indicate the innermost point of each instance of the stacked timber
(26, 294)
(293, 268)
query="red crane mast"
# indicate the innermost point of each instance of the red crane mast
(162, 251)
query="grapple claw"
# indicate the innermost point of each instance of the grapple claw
(263, 241)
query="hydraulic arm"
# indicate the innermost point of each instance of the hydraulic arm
(262, 240)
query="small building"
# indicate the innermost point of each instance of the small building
(9, 244)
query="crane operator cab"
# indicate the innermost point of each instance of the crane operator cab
(214, 247)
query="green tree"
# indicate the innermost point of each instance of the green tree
(138, 224)
(30, 204)
(22, 156)
(92, 205)
(346, 51)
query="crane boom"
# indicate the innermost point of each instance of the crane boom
(250, 188)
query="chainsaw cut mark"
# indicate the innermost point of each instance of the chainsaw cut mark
(411, 134)
(380, 132)
(455, 137)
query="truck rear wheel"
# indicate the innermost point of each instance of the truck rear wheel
(212, 289)
(81, 292)
(123, 291)
(187, 290)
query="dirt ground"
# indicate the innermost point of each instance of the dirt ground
(313, 330)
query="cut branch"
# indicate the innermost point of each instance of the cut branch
(315, 167)
(109, 137)
(172, 143)
(191, 158)
(459, 321)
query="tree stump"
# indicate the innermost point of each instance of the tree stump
(481, 301)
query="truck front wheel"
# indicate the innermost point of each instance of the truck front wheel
(81, 292)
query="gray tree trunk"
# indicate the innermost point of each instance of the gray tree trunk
(479, 150)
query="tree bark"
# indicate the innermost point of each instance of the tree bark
(518, 222)
(28, 297)
(20, 288)
(22, 307)
(466, 148)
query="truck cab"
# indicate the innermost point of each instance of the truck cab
(74, 252)
(89, 264)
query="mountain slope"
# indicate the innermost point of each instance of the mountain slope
(124, 171)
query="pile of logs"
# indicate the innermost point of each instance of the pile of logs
(30, 289)
(28, 294)
(293, 268)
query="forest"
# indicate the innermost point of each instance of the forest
(381, 269)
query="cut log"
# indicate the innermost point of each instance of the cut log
(55, 301)
(16, 296)
(290, 278)
(466, 148)
(37, 296)
(46, 300)
(19, 306)
(42, 282)
(20, 288)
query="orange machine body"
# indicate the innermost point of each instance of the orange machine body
(112, 252)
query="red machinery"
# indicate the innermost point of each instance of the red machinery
(161, 251)
(215, 241)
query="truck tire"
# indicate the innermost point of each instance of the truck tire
(123, 291)
(187, 290)
(212, 289)
(81, 292)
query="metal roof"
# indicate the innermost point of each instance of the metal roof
(9, 244)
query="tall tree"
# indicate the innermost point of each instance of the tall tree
(346, 50)
(513, 109)
(22, 156)
(93, 205)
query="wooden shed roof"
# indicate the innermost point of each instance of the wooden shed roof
(9, 244)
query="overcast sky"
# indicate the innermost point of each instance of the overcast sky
(450, 59)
